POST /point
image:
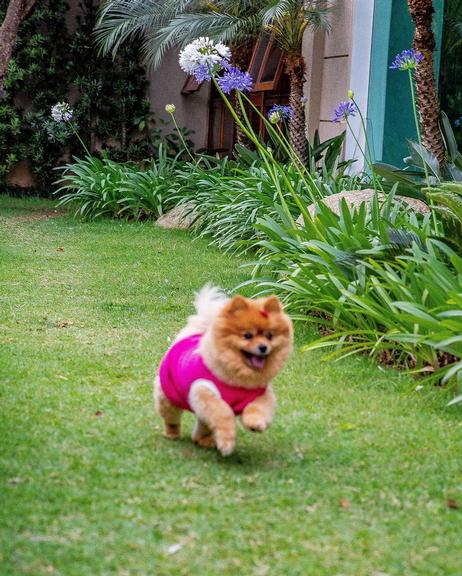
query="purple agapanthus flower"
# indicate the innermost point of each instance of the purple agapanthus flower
(225, 65)
(202, 73)
(343, 111)
(407, 60)
(235, 79)
(458, 122)
(283, 112)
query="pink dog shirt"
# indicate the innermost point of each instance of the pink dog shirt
(182, 365)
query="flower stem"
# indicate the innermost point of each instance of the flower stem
(367, 157)
(296, 162)
(269, 163)
(356, 140)
(78, 137)
(266, 155)
(301, 168)
(185, 146)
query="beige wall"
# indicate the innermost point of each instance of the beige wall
(328, 58)
(165, 86)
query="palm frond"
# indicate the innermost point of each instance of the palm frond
(288, 20)
(318, 14)
(276, 9)
(123, 20)
(163, 24)
(185, 28)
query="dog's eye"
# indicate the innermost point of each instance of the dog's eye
(248, 335)
(269, 335)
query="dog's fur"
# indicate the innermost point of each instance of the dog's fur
(234, 359)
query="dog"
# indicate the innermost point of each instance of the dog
(221, 365)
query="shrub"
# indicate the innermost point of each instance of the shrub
(50, 60)
(329, 252)
(379, 281)
(226, 198)
(102, 187)
(409, 309)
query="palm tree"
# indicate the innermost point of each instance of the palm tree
(164, 25)
(288, 20)
(427, 97)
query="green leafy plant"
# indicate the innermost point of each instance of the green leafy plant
(447, 202)
(102, 187)
(226, 198)
(335, 246)
(423, 169)
(375, 280)
(107, 95)
(410, 310)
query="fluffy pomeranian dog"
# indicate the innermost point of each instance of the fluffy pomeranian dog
(221, 365)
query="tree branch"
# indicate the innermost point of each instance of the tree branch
(27, 7)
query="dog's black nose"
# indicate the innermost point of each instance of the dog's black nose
(262, 348)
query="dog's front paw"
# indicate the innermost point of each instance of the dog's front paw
(225, 442)
(255, 421)
(172, 431)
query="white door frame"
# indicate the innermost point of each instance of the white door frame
(363, 19)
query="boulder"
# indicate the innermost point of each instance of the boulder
(178, 218)
(355, 198)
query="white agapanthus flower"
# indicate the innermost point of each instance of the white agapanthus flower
(61, 112)
(203, 51)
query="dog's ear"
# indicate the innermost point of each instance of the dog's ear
(272, 305)
(237, 303)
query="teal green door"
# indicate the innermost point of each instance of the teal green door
(390, 116)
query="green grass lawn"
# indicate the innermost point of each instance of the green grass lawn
(359, 474)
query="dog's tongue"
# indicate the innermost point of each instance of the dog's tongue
(257, 361)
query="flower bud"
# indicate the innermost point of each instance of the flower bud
(275, 117)
(351, 94)
(170, 108)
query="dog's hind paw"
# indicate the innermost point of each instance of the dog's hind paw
(207, 441)
(225, 443)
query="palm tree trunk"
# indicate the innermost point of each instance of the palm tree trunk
(297, 124)
(16, 12)
(427, 97)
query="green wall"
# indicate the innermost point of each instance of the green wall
(390, 115)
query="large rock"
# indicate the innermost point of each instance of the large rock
(355, 198)
(179, 218)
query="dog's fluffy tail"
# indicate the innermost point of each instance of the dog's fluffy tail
(208, 303)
